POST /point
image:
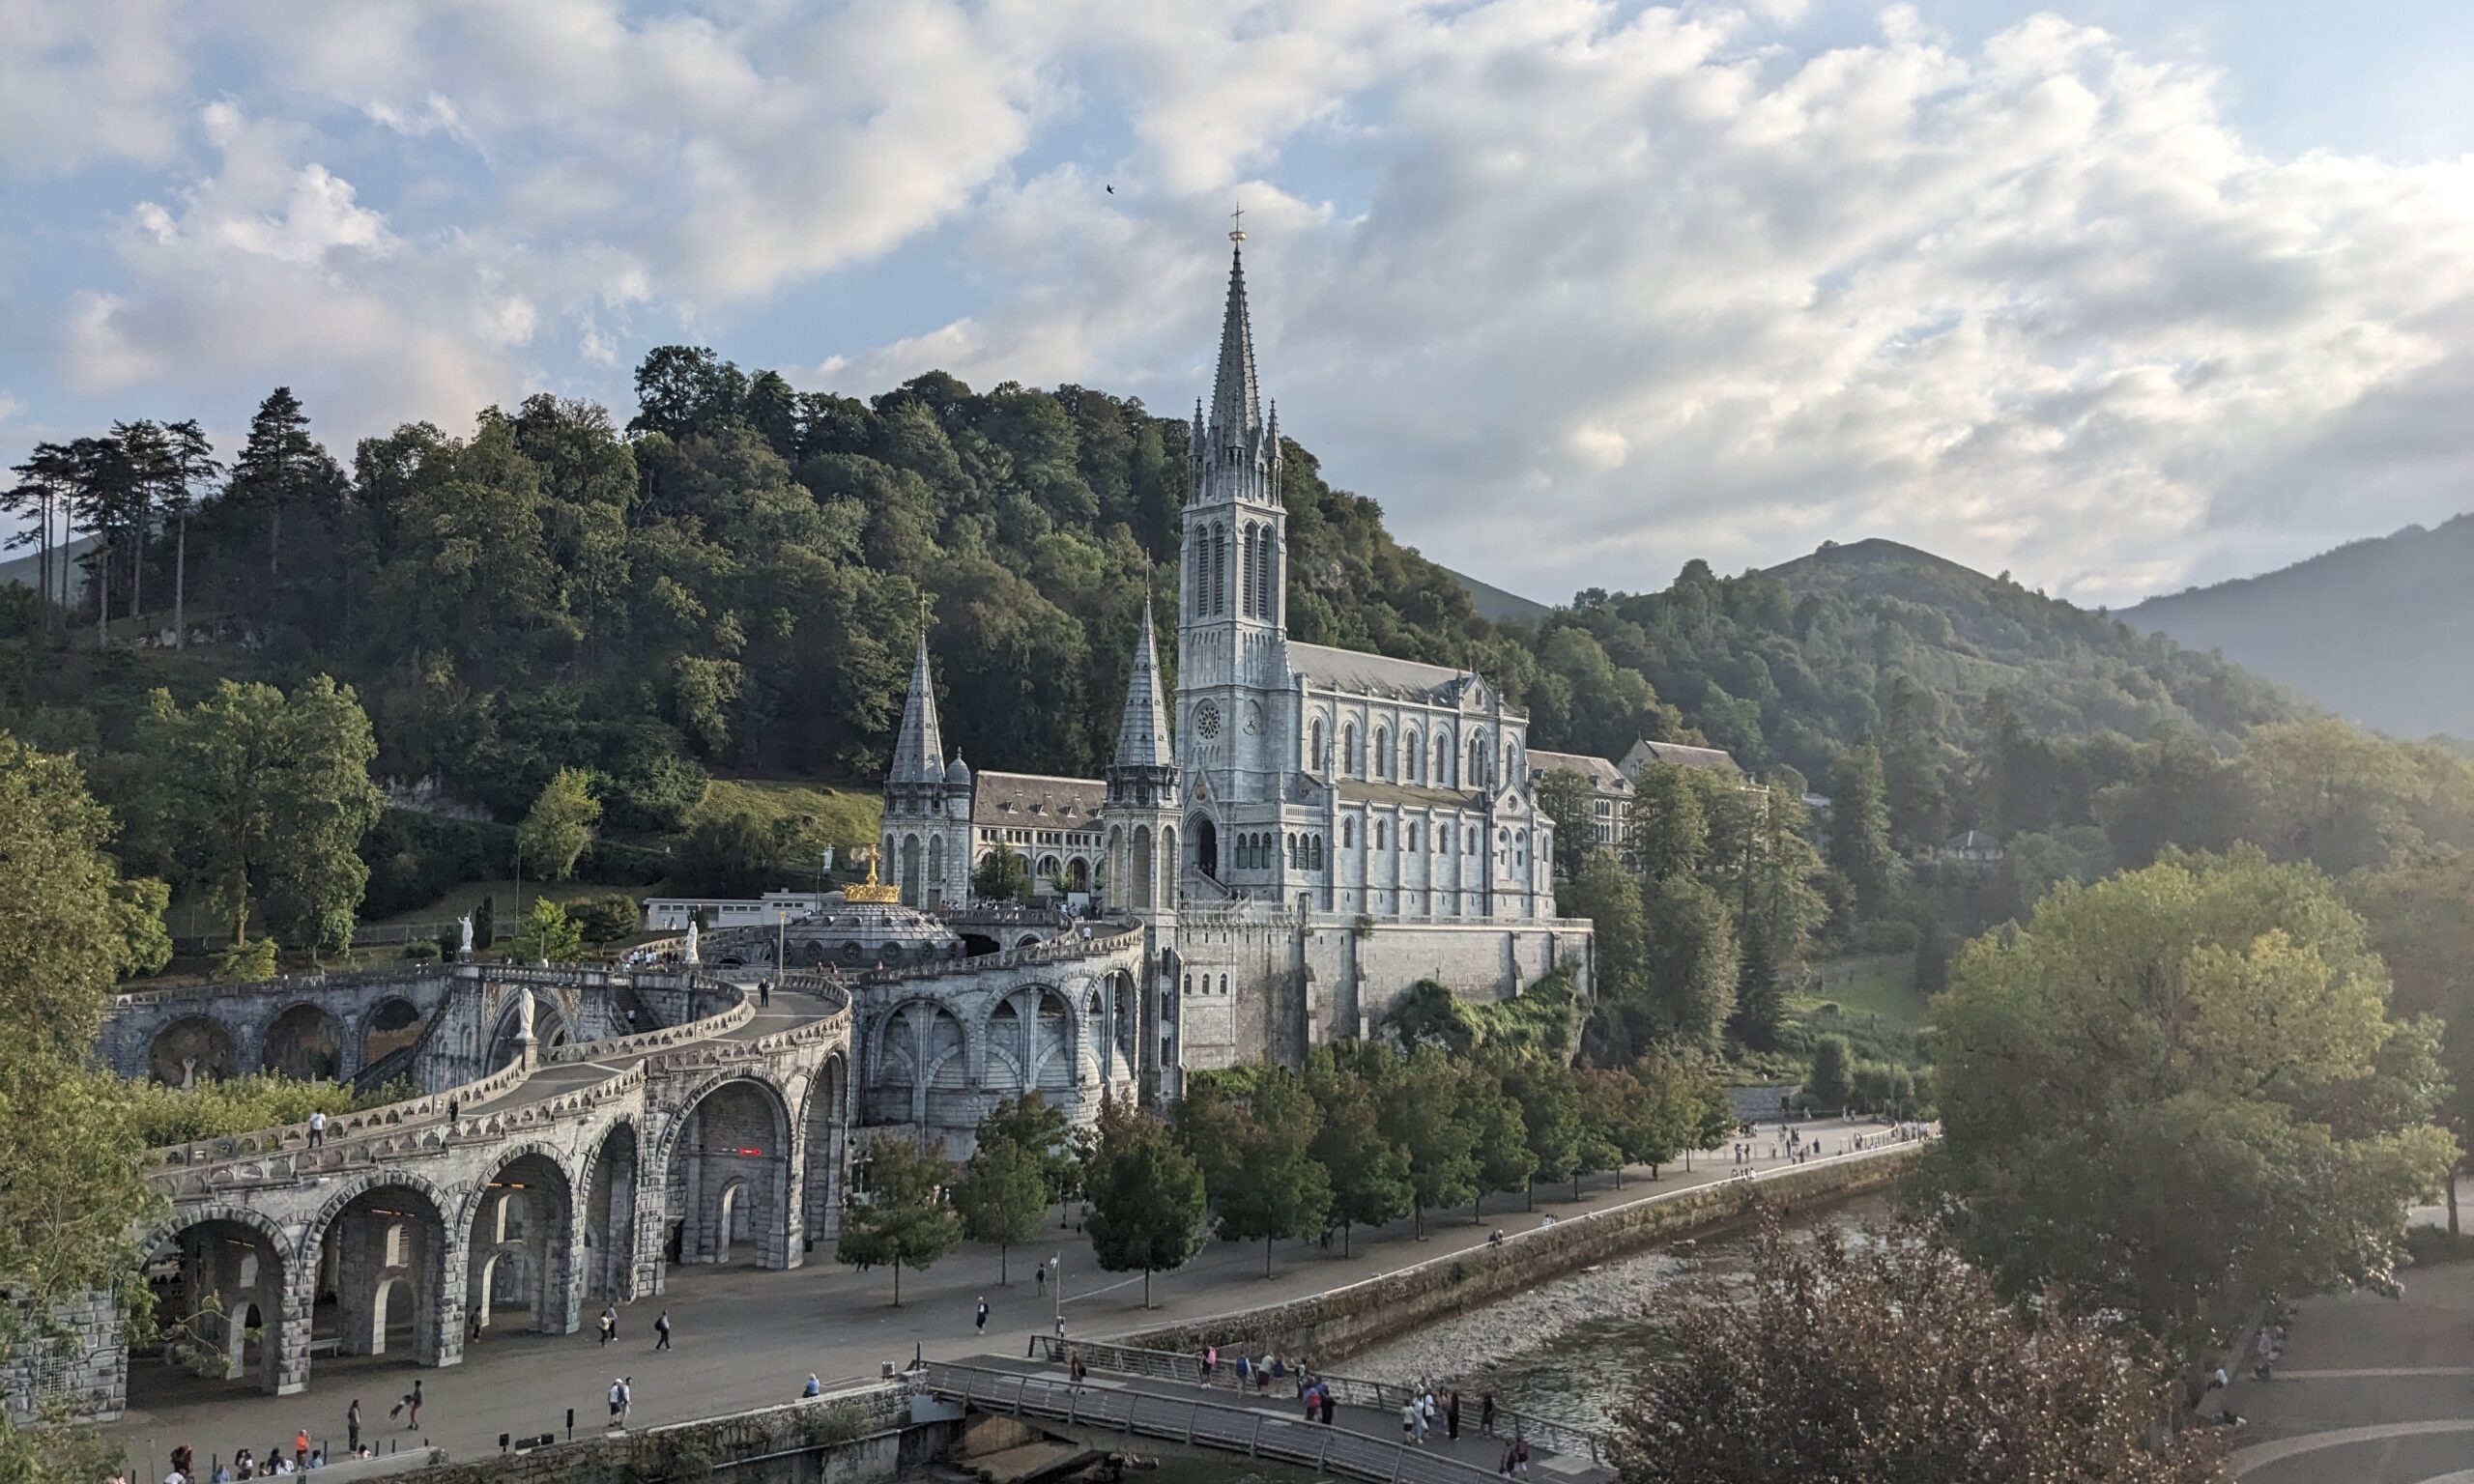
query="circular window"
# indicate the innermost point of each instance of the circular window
(1207, 720)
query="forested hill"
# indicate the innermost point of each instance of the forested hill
(2377, 630)
(732, 582)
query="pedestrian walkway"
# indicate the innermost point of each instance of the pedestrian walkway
(2371, 1391)
(746, 1337)
(1048, 1392)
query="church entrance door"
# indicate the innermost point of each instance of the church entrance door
(1206, 838)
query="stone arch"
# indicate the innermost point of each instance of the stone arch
(825, 1119)
(192, 1048)
(1033, 1041)
(1206, 838)
(519, 1225)
(919, 1067)
(307, 1040)
(549, 1029)
(391, 1024)
(613, 1177)
(735, 1127)
(385, 1229)
(229, 1263)
(1077, 874)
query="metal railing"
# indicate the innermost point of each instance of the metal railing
(1254, 1431)
(1348, 1390)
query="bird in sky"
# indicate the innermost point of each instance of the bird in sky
(1113, 191)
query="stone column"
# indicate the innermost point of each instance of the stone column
(289, 1329)
(438, 1324)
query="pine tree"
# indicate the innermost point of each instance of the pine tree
(1670, 830)
(195, 458)
(1912, 771)
(281, 468)
(1860, 830)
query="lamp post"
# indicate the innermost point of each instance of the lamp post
(1056, 1286)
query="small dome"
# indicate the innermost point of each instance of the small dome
(957, 771)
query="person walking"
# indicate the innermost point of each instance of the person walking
(1521, 1458)
(453, 1106)
(1038, 1279)
(1409, 1422)
(1077, 1370)
(352, 1427)
(1486, 1413)
(1210, 1364)
(980, 1319)
(617, 1402)
(609, 1323)
(316, 1126)
(300, 1448)
(763, 992)
(661, 1331)
(413, 1401)
(1451, 1414)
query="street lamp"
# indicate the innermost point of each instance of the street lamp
(1056, 1286)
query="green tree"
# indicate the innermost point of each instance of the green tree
(1420, 1112)
(1567, 798)
(1146, 1196)
(1002, 874)
(280, 468)
(1670, 828)
(75, 928)
(1691, 960)
(559, 829)
(902, 1221)
(1554, 1115)
(1860, 830)
(1032, 1123)
(1255, 1151)
(1001, 1197)
(606, 917)
(1865, 1362)
(1500, 1146)
(260, 800)
(548, 934)
(2178, 1090)
(1367, 1173)
(1829, 1085)
(2423, 929)
(1914, 782)
(1605, 895)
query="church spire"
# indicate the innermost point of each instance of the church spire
(1142, 735)
(1236, 410)
(919, 752)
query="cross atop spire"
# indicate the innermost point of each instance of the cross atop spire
(1237, 225)
(1236, 410)
(919, 751)
(1142, 735)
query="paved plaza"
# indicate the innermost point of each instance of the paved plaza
(2371, 1391)
(749, 1337)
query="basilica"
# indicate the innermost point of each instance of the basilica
(1318, 832)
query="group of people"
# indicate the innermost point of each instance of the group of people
(302, 1454)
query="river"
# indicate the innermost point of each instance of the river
(1572, 1349)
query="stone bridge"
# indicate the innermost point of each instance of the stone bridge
(582, 1173)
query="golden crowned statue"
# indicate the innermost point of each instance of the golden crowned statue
(872, 891)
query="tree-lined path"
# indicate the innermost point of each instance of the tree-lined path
(747, 1337)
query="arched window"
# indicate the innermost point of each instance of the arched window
(1381, 832)
(1411, 843)
(1471, 846)
(1442, 778)
(1266, 597)
(1197, 580)
(1348, 749)
(1382, 751)
(1190, 983)
(1348, 833)
(1511, 764)
(1223, 984)
(1246, 570)
(1317, 854)
(1476, 777)
(1416, 755)
(1291, 843)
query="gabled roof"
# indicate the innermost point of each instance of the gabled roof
(1354, 674)
(1600, 773)
(1035, 800)
(1677, 755)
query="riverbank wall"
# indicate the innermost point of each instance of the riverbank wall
(1326, 1327)
(867, 1436)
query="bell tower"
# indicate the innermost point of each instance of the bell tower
(1232, 604)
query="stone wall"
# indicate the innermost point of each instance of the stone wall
(1292, 985)
(803, 1442)
(1329, 1325)
(76, 1370)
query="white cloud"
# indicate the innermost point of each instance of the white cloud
(1578, 290)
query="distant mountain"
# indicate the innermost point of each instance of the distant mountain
(2379, 631)
(27, 570)
(1496, 606)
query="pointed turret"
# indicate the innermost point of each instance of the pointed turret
(1143, 734)
(1236, 411)
(919, 751)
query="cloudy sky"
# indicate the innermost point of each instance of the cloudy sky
(2118, 296)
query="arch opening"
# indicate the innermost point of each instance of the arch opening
(190, 1050)
(729, 1181)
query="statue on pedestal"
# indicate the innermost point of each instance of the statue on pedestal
(691, 942)
(524, 1016)
(464, 923)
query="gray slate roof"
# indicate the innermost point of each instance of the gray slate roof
(1036, 800)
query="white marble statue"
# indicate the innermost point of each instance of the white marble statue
(524, 1016)
(466, 924)
(691, 942)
